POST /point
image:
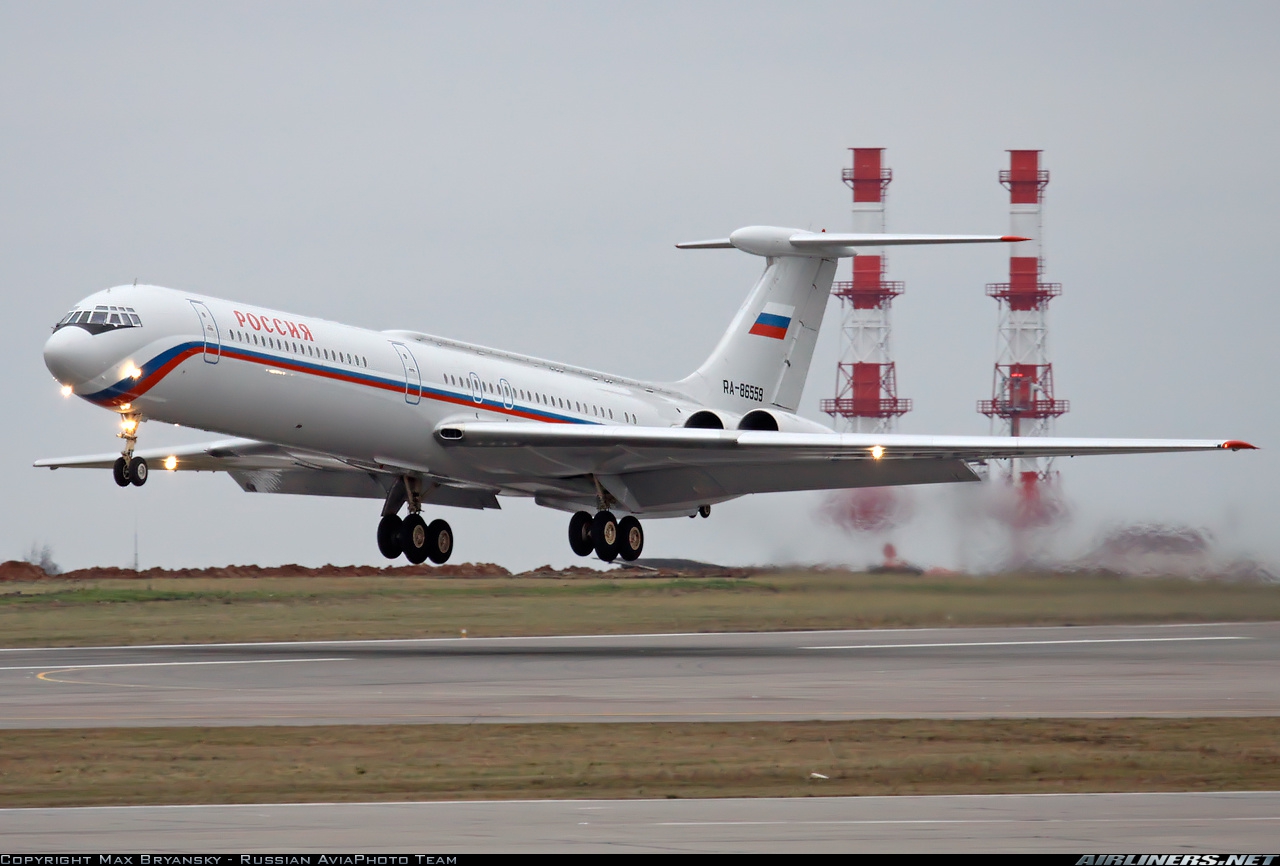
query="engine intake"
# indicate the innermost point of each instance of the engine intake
(705, 420)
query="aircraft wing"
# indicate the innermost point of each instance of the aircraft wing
(264, 467)
(223, 455)
(669, 469)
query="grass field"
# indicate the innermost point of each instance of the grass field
(55, 612)
(434, 762)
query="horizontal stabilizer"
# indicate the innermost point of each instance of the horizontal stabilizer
(722, 244)
(772, 241)
(830, 239)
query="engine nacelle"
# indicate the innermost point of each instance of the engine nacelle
(786, 422)
(705, 419)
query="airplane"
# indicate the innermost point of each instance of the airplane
(414, 420)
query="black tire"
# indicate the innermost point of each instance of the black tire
(413, 539)
(138, 471)
(580, 534)
(389, 536)
(604, 533)
(439, 542)
(630, 538)
(120, 472)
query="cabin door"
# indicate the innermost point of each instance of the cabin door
(412, 378)
(209, 328)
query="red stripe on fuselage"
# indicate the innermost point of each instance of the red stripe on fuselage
(154, 378)
(325, 373)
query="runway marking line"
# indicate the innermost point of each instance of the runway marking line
(417, 640)
(44, 675)
(321, 720)
(874, 821)
(63, 670)
(613, 804)
(1027, 642)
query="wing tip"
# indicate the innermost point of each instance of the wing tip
(1237, 445)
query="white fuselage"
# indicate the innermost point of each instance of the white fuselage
(366, 396)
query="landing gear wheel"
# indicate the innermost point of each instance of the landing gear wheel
(413, 539)
(604, 534)
(630, 538)
(580, 534)
(138, 471)
(120, 472)
(389, 536)
(439, 542)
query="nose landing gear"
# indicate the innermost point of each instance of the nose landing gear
(129, 469)
(412, 536)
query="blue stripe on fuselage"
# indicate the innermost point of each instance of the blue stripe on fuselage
(233, 352)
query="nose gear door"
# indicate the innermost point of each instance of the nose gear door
(412, 378)
(209, 328)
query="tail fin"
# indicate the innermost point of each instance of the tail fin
(764, 356)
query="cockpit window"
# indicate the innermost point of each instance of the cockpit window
(101, 318)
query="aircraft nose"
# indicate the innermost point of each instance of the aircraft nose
(66, 354)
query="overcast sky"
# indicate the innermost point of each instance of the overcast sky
(517, 174)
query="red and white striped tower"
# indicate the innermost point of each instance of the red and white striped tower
(866, 382)
(867, 398)
(1022, 401)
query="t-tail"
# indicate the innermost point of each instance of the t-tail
(764, 356)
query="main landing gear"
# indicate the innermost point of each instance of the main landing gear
(606, 535)
(412, 536)
(129, 469)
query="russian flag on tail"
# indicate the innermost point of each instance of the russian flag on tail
(773, 321)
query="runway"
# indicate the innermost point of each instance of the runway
(1179, 670)
(1076, 823)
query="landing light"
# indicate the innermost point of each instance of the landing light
(66, 390)
(128, 425)
(131, 370)
(877, 451)
(171, 463)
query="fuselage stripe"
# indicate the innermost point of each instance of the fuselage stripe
(129, 389)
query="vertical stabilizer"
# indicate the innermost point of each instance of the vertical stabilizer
(763, 358)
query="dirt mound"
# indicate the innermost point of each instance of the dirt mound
(27, 571)
(16, 569)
